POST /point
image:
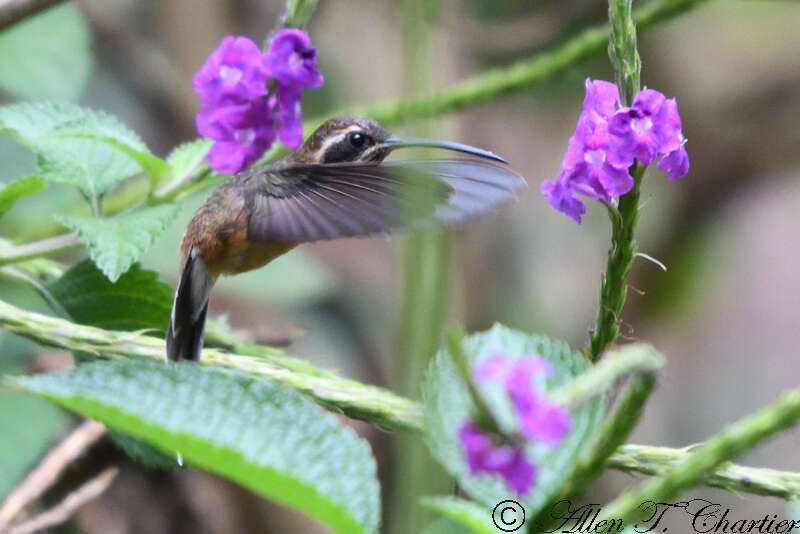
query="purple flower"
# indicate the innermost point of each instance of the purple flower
(242, 134)
(507, 461)
(292, 61)
(676, 163)
(606, 142)
(559, 194)
(290, 131)
(234, 72)
(651, 126)
(238, 111)
(539, 418)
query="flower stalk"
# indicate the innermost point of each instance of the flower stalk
(696, 465)
(613, 287)
(624, 57)
(360, 401)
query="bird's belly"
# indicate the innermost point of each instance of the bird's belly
(246, 256)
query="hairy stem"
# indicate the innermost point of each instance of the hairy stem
(613, 287)
(375, 405)
(694, 466)
(736, 478)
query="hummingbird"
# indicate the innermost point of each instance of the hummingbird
(336, 185)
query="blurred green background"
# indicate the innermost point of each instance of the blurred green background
(726, 313)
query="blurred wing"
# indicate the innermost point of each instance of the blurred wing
(305, 203)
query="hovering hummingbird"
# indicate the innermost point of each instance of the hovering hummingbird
(335, 185)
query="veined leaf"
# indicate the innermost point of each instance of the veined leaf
(20, 188)
(93, 167)
(154, 167)
(270, 439)
(115, 244)
(137, 300)
(48, 56)
(447, 405)
(471, 516)
(187, 158)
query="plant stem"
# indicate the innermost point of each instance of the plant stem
(613, 287)
(37, 249)
(731, 477)
(372, 404)
(691, 469)
(423, 305)
(298, 12)
(640, 360)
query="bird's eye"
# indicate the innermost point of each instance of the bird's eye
(357, 139)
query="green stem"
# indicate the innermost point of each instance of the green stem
(423, 307)
(372, 404)
(613, 287)
(613, 434)
(298, 12)
(698, 464)
(736, 478)
(640, 360)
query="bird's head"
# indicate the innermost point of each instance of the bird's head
(356, 139)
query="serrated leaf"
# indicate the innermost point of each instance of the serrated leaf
(137, 300)
(447, 405)
(187, 158)
(47, 56)
(154, 167)
(92, 166)
(20, 188)
(471, 516)
(270, 439)
(116, 243)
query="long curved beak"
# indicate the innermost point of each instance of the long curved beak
(393, 142)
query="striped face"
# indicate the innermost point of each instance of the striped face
(345, 139)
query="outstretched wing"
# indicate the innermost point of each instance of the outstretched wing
(305, 203)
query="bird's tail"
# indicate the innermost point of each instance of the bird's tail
(188, 318)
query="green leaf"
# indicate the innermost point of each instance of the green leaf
(270, 439)
(447, 405)
(90, 127)
(29, 426)
(18, 189)
(471, 516)
(115, 244)
(187, 158)
(137, 300)
(47, 56)
(91, 166)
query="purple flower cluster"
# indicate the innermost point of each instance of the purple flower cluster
(538, 419)
(239, 111)
(608, 139)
